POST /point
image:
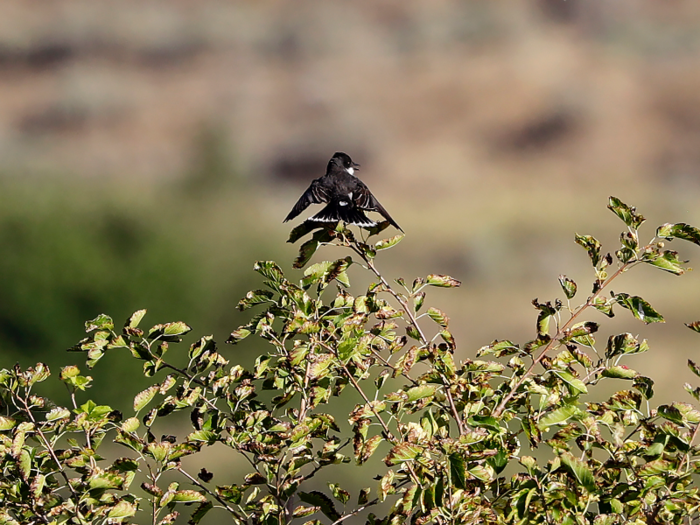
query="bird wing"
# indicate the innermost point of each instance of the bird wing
(364, 200)
(315, 194)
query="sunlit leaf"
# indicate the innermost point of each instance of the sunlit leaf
(668, 261)
(619, 372)
(135, 319)
(560, 415)
(628, 214)
(402, 453)
(101, 322)
(680, 230)
(255, 297)
(144, 397)
(443, 281)
(576, 384)
(438, 316)
(568, 286)
(624, 344)
(603, 306)
(121, 510)
(591, 245)
(420, 392)
(580, 471)
(339, 494)
(188, 496)
(641, 309)
(499, 349)
(388, 243)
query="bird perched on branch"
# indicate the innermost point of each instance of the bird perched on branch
(346, 197)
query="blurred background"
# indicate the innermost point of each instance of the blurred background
(150, 150)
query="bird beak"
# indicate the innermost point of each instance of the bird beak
(356, 165)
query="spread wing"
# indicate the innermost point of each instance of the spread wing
(364, 200)
(315, 194)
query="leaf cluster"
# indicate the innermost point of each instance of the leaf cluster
(510, 436)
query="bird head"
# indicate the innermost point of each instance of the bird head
(342, 161)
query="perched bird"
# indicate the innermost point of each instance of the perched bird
(346, 197)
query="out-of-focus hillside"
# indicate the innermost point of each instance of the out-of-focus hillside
(490, 130)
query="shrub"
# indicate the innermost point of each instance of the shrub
(455, 438)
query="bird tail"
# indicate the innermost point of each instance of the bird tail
(351, 216)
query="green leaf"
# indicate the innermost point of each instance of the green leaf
(568, 286)
(130, 425)
(418, 301)
(24, 463)
(489, 422)
(238, 335)
(499, 349)
(579, 470)
(254, 298)
(144, 397)
(7, 423)
(694, 367)
(101, 322)
(438, 316)
(624, 344)
(645, 386)
(57, 413)
(443, 281)
(658, 467)
(641, 309)
(420, 392)
(458, 471)
(135, 319)
(603, 306)
(369, 448)
(680, 230)
(402, 453)
(188, 496)
(667, 261)
(591, 245)
(576, 384)
(121, 510)
(385, 244)
(560, 415)
(619, 372)
(628, 214)
(340, 494)
(178, 328)
(269, 270)
(319, 499)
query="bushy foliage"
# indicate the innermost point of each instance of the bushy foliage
(455, 438)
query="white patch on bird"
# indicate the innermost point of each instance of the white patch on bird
(343, 203)
(350, 195)
(351, 171)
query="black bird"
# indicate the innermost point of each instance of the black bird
(346, 196)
